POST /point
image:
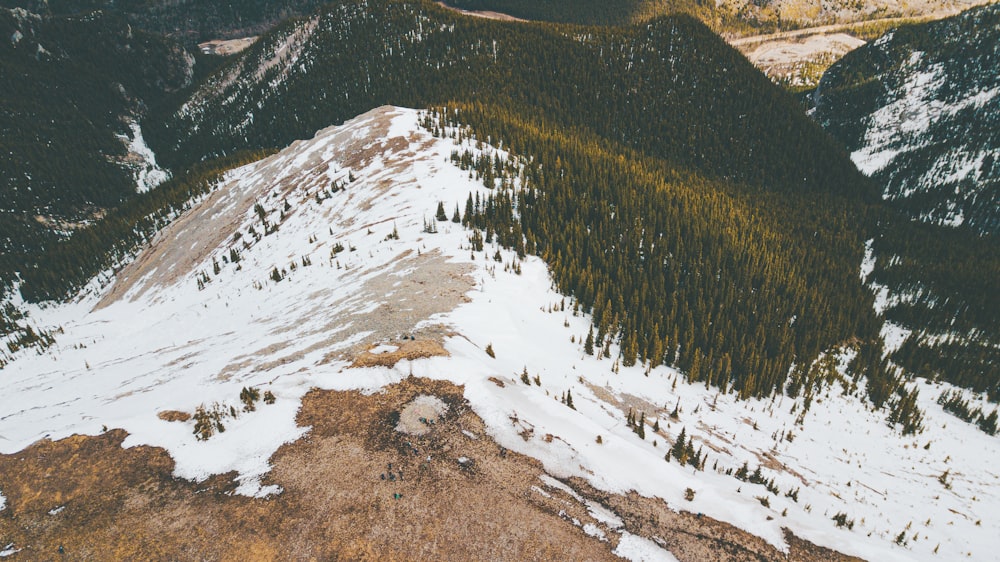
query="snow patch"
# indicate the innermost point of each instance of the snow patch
(383, 348)
(147, 173)
(639, 549)
(604, 515)
(868, 262)
(594, 531)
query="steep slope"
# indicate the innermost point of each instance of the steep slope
(326, 267)
(725, 186)
(653, 88)
(920, 111)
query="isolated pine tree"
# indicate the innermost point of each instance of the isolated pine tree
(441, 216)
(743, 472)
(677, 451)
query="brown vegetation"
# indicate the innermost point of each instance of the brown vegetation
(173, 416)
(407, 349)
(353, 489)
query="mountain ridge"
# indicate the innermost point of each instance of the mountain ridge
(341, 268)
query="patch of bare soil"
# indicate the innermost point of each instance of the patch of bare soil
(487, 14)
(354, 488)
(225, 47)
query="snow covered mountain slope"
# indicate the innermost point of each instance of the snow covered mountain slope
(920, 111)
(325, 266)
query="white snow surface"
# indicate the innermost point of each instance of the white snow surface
(148, 173)
(639, 549)
(163, 343)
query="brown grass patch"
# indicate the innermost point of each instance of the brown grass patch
(354, 489)
(406, 349)
(173, 416)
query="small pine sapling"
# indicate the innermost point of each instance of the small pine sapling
(249, 396)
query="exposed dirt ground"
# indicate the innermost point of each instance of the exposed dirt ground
(355, 488)
(778, 57)
(799, 57)
(226, 47)
(482, 13)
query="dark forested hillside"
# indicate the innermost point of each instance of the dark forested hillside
(187, 20)
(71, 88)
(920, 110)
(670, 89)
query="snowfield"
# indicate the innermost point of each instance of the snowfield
(334, 258)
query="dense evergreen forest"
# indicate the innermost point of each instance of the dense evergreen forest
(946, 277)
(71, 87)
(670, 88)
(949, 279)
(679, 196)
(190, 21)
(699, 274)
